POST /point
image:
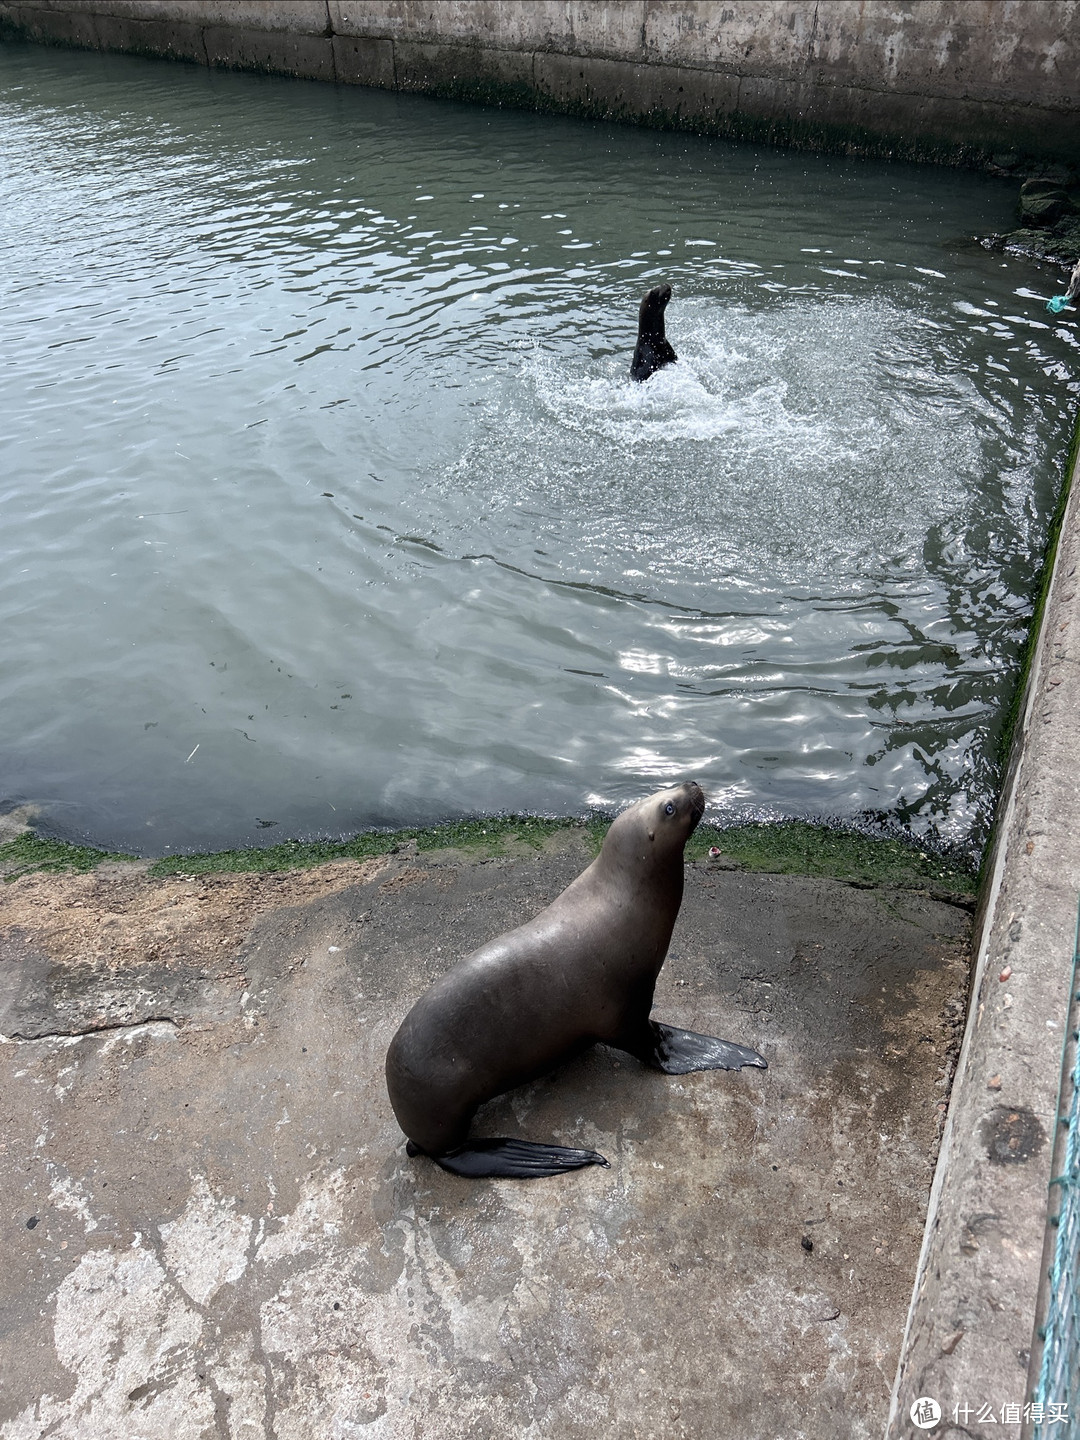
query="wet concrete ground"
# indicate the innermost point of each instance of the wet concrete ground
(211, 1228)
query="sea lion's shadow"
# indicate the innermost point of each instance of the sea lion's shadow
(600, 1091)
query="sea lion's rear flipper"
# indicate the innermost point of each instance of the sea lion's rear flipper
(517, 1159)
(678, 1052)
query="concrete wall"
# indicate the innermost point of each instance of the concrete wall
(966, 81)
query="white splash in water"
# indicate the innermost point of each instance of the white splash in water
(793, 445)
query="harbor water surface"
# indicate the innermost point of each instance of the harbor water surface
(327, 501)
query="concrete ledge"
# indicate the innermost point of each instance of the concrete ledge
(971, 1328)
(213, 1227)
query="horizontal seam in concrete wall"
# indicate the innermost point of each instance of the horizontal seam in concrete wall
(810, 81)
(817, 82)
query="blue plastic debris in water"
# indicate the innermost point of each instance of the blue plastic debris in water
(1057, 304)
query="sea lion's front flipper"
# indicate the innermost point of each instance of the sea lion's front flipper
(517, 1159)
(678, 1052)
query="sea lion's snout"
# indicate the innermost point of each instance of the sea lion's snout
(696, 796)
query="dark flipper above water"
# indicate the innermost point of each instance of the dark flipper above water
(516, 1159)
(678, 1052)
(653, 351)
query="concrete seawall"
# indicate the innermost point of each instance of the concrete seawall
(961, 81)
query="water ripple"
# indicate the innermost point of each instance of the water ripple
(322, 457)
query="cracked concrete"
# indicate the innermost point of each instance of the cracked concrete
(212, 1229)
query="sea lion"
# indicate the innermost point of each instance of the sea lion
(652, 350)
(581, 971)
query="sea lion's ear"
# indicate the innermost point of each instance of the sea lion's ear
(652, 834)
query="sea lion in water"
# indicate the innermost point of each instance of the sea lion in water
(582, 971)
(652, 350)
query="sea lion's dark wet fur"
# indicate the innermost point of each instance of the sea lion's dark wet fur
(652, 351)
(581, 971)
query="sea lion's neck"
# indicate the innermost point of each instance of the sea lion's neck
(636, 866)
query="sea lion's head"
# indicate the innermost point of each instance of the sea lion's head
(656, 829)
(676, 812)
(651, 313)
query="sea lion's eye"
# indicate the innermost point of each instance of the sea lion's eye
(669, 808)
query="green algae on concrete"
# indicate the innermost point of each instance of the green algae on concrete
(796, 847)
(29, 852)
(490, 837)
(779, 848)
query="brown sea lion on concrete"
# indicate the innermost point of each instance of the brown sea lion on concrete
(581, 971)
(652, 351)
